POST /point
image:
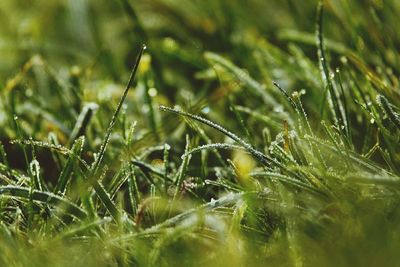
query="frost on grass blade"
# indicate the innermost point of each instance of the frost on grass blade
(100, 191)
(257, 154)
(388, 110)
(69, 165)
(43, 197)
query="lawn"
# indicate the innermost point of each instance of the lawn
(199, 133)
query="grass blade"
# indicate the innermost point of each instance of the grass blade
(257, 154)
(43, 197)
(83, 121)
(100, 191)
(243, 77)
(69, 165)
(116, 112)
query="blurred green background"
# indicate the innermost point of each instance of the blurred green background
(107, 34)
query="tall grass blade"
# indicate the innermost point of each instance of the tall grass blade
(325, 72)
(116, 112)
(100, 191)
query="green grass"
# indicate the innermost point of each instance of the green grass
(257, 134)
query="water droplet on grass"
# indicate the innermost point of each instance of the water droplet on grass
(205, 110)
(152, 92)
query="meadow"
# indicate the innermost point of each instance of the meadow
(199, 133)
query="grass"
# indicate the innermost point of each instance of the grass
(265, 134)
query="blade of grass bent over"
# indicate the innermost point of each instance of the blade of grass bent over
(257, 154)
(43, 197)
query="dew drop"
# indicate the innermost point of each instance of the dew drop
(152, 92)
(206, 110)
